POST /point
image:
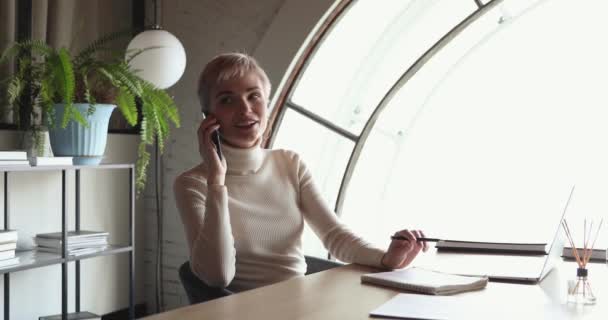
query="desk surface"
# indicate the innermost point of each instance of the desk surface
(339, 294)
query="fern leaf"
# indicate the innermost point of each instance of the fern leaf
(162, 101)
(131, 54)
(126, 104)
(9, 53)
(128, 80)
(151, 123)
(45, 101)
(50, 115)
(162, 128)
(122, 79)
(168, 106)
(14, 89)
(67, 115)
(99, 43)
(109, 75)
(76, 115)
(64, 78)
(87, 88)
(141, 166)
(37, 47)
(68, 75)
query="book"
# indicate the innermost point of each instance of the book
(81, 234)
(596, 254)
(425, 281)
(7, 254)
(492, 247)
(12, 155)
(74, 251)
(83, 315)
(8, 236)
(72, 243)
(8, 246)
(9, 262)
(50, 161)
(14, 163)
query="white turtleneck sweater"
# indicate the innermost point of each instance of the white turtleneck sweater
(248, 232)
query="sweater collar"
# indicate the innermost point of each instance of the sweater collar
(241, 161)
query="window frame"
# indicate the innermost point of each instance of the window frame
(319, 35)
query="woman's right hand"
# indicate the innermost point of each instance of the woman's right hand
(216, 167)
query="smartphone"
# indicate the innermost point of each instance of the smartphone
(215, 138)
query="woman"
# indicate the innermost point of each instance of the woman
(244, 212)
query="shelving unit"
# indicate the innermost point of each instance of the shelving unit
(32, 259)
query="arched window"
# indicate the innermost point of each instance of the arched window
(468, 119)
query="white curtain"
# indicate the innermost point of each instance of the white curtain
(7, 36)
(75, 23)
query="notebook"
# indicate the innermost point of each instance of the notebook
(425, 281)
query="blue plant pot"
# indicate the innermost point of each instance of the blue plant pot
(85, 145)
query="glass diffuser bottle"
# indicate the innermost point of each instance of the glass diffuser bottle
(579, 290)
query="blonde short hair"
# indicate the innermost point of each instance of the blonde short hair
(224, 67)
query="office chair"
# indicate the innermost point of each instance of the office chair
(314, 264)
(198, 291)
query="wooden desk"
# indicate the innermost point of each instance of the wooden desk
(339, 294)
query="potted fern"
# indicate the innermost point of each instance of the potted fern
(73, 96)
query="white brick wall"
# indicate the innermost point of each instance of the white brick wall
(207, 28)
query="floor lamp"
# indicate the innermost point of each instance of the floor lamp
(161, 60)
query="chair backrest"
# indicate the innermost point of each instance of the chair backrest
(314, 264)
(198, 291)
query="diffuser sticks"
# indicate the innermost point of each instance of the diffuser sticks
(588, 245)
(579, 291)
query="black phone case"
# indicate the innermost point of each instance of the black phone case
(215, 137)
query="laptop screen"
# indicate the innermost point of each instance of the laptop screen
(508, 267)
(557, 245)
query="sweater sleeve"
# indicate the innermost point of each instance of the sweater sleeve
(205, 216)
(336, 237)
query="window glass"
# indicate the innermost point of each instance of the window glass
(485, 141)
(367, 51)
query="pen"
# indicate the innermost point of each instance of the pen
(419, 239)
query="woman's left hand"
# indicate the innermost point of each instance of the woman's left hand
(401, 253)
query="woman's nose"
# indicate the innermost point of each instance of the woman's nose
(244, 106)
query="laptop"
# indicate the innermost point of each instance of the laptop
(504, 267)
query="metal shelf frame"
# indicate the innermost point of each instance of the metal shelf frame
(33, 259)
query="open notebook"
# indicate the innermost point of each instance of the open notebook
(425, 281)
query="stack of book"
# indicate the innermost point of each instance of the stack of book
(13, 158)
(8, 245)
(78, 242)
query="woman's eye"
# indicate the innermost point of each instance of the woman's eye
(225, 100)
(255, 96)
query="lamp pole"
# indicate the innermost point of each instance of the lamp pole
(161, 61)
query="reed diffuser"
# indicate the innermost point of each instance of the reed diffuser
(579, 290)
